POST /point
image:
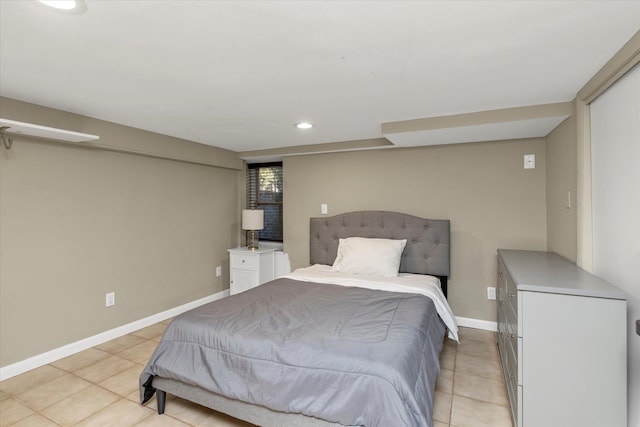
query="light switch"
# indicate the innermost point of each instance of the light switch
(323, 209)
(529, 161)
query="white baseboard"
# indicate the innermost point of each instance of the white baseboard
(75, 347)
(477, 324)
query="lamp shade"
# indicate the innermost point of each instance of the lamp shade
(252, 219)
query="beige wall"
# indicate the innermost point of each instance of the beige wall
(561, 184)
(482, 188)
(76, 223)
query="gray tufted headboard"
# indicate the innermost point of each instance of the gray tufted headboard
(428, 244)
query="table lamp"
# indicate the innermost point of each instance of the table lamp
(252, 221)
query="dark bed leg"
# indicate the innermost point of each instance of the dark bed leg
(162, 399)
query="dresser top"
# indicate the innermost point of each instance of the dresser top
(539, 271)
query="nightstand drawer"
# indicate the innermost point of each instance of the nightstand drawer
(245, 261)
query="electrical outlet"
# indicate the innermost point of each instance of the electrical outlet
(218, 271)
(324, 209)
(491, 293)
(110, 299)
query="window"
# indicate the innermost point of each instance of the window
(264, 191)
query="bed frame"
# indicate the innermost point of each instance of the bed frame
(426, 252)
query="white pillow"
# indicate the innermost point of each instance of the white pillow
(375, 257)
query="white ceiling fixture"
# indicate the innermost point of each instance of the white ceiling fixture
(232, 74)
(304, 125)
(60, 4)
(66, 6)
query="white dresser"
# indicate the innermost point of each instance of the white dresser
(562, 340)
(250, 268)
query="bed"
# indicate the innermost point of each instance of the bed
(334, 344)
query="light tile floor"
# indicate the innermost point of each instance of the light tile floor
(99, 387)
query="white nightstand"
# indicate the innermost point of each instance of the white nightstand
(249, 269)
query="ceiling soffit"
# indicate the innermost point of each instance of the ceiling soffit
(532, 121)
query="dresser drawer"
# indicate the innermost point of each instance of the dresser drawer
(512, 356)
(508, 346)
(512, 391)
(502, 275)
(510, 371)
(245, 261)
(511, 296)
(502, 320)
(511, 318)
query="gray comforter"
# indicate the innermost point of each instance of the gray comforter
(349, 355)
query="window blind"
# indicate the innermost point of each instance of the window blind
(265, 191)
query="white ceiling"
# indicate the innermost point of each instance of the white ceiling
(239, 74)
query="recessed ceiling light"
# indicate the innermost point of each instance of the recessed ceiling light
(60, 4)
(304, 125)
(71, 7)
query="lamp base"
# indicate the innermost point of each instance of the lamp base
(252, 240)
